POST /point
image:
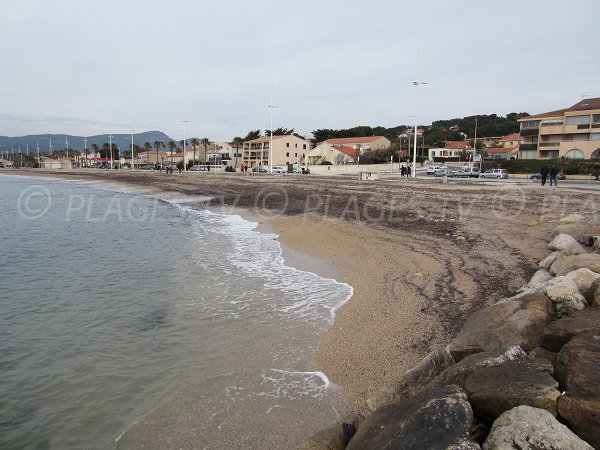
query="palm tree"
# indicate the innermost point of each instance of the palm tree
(96, 150)
(194, 142)
(158, 145)
(237, 142)
(171, 146)
(205, 142)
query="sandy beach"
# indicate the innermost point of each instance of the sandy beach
(420, 255)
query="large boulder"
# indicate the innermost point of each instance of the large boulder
(566, 244)
(558, 333)
(414, 380)
(596, 296)
(516, 322)
(493, 390)
(436, 418)
(565, 297)
(585, 280)
(459, 372)
(525, 427)
(541, 276)
(578, 372)
(569, 263)
(335, 437)
(547, 262)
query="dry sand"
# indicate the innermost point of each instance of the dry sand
(420, 255)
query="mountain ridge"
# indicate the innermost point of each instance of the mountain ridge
(122, 141)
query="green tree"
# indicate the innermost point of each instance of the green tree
(252, 135)
(195, 142)
(236, 143)
(205, 143)
(158, 145)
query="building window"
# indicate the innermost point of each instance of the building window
(552, 122)
(596, 118)
(287, 154)
(296, 155)
(531, 124)
(578, 120)
(296, 145)
(287, 144)
(303, 146)
(575, 153)
(595, 137)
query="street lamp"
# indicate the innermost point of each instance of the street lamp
(132, 160)
(416, 84)
(183, 152)
(271, 107)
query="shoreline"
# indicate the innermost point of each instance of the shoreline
(413, 284)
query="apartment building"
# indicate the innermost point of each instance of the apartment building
(287, 149)
(572, 132)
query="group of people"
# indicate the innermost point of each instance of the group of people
(552, 172)
(405, 171)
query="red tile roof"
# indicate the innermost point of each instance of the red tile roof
(512, 137)
(457, 145)
(583, 105)
(352, 140)
(348, 151)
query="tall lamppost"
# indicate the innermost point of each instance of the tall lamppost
(416, 84)
(183, 151)
(85, 152)
(271, 107)
(110, 147)
(132, 155)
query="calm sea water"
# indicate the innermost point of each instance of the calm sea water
(129, 321)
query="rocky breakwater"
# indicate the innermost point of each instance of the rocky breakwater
(523, 373)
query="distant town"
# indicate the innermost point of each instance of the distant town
(571, 133)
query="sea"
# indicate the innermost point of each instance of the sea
(136, 319)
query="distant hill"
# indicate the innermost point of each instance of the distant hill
(122, 141)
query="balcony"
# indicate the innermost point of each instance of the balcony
(530, 132)
(528, 147)
(549, 144)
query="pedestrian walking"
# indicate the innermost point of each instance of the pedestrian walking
(553, 175)
(544, 173)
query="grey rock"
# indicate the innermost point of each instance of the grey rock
(333, 438)
(584, 278)
(542, 353)
(565, 298)
(494, 390)
(516, 322)
(459, 372)
(549, 260)
(566, 244)
(586, 239)
(539, 277)
(414, 380)
(525, 427)
(436, 418)
(566, 264)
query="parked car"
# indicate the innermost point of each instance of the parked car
(468, 172)
(445, 171)
(198, 168)
(260, 169)
(495, 173)
(278, 169)
(538, 176)
(147, 167)
(431, 169)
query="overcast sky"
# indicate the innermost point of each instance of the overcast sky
(92, 67)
